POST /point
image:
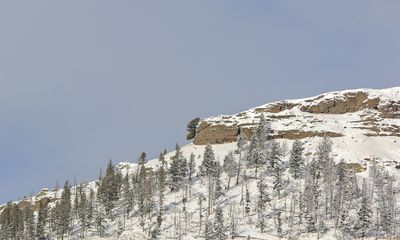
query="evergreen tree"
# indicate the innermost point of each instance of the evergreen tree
(83, 208)
(42, 219)
(248, 201)
(129, 195)
(192, 166)
(65, 210)
(178, 170)
(29, 222)
(91, 206)
(241, 144)
(274, 155)
(200, 203)
(192, 128)
(121, 227)
(296, 160)
(278, 181)
(219, 228)
(218, 185)
(263, 197)
(278, 223)
(364, 213)
(209, 168)
(258, 149)
(161, 186)
(208, 230)
(109, 188)
(261, 224)
(100, 221)
(230, 167)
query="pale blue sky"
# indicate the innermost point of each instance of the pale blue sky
(85, 81)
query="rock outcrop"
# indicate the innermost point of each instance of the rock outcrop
(312, 117)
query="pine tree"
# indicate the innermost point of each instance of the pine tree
(364, 213)
(192, 166)
(42, 219)
(278, 223)
(29, 222)
(274, 155)
(248, 201)
(178, 170)
(200, 203)
(83, 208)
(258, 149)
(161, 177)
(263, 197)
(311, 196)
(261, 224)
(278, 181)
(218, 185)
(109, 188)
(100, 221)
(121, 227)
(209, 168)
(296, 160)
(65, 210)
(91, 206)
(192, 127)
(208, 230)
(219, 228)
(129, 195)
(230, 167)
(241, 144)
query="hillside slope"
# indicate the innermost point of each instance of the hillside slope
(363, 125)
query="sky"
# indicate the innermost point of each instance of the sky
(82, 82)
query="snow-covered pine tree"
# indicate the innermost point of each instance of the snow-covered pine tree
(296, 160)
(29, 222)
(91, 206)
(200, 203)
(209, 168)
(364, 213)
(277, 172)
(258, 149)
(263, 197)
(279, 223)
(109, 188)
(128, 195)
(178, 170)
(161, 183)
(241, 145)
(208, 230)
(100, 221)
(83, 210)
(219, 228)
(248, 202)
(120, 228)
(326, 170)
(42, 219)
(65, 211)
(261, 224)
(230, 167)
(311, 196)
(218, 185)
(274, 155)
(191, 166)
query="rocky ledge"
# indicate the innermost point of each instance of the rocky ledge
(329, 114)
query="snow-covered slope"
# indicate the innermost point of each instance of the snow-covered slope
(364, 125)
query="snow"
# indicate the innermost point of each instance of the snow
(353, 147)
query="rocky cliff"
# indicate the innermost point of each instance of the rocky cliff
(367, 111)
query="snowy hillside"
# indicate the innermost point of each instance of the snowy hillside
(329, 199)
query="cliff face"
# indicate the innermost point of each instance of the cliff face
(366, 111)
